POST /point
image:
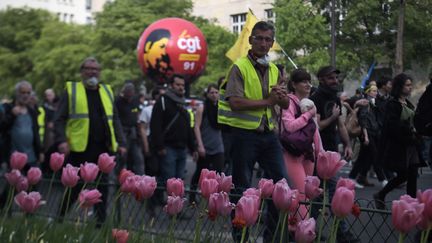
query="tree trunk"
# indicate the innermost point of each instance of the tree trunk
(398, 68)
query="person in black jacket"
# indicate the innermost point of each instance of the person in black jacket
(399, 140)
(19, 126)
(171, 131)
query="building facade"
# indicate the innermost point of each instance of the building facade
(69, 11)
(231, 14)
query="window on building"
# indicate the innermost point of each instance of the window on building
(88, 20)
(71, 18)
(270, 15)
(88, 4)
(65, 17)
(58, 16)
(237, 22)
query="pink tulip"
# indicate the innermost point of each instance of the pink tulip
(121, 236)
(88, 172)
(174, 205)
(208, 187)
(128, 186)
(312, 189)
(266, 186)
(426, 199)
(30, 202)
(56, 161)
(70, 176)
(88, 198)
(22, 184)
(343, 201)
(124, 173)
(13, 177)
(246, 211)
(206, 174)
(175, 187)
(34, 175)
(252, 191)
(406, 214)
(305, 231)
(18, 160)
(225, 182)
(145, 187)
(346, 182)
(284, 198)
(219, 204)
(328, 164)
(106, 163)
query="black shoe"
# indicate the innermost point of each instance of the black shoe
(379, 201)
(346, 237)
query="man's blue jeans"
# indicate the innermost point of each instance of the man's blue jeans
(172, 164)
(250, 147)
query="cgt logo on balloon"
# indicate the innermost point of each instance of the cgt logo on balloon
(172, 46)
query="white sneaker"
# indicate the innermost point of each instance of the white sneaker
(384, 183)
(358, 185)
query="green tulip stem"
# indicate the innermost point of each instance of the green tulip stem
(243, 234)
(50, 185)
(283, 227)
(63, 198)
(277, 227)
(255, 233)
(401, 237)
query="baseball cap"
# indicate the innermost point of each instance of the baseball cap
(326, 70)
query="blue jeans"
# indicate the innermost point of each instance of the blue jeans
(172, 164)
(264, 148)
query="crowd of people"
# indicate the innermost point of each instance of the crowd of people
(239, 123)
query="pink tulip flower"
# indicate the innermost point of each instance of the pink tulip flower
(346, 182)
(88, 198)
(70, 176)
(30, 202)
(88, 172)
(246, 211)
(121, 236)
(175, 187)
(252, 191)
(312, 189)
(328, 164)
(406, 214)
(13, 177)
(343, 201)
(145, 187)
(106, 163)
(34, 175)
(124, 173)
(22, 184)
(225, 183)
(426, 199)
(208, 187)
(266, 186)
(284, 198)
(219, 204)
(56, 161)
(305, 231)
(207, 174)
(18, 160)
(174, 205)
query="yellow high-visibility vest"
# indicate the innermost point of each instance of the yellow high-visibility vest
(78, 124)
(41, 123)
(249, 119)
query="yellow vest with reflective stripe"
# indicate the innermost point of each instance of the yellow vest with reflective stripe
(78, 124)
(41, 122)
(249, 119)
(191, 117)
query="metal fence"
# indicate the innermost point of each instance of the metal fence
(370, 226)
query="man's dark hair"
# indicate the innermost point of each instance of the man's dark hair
(156, 91)
(87, 60)
(398, 83)
(263, 26)
(171, 80)
(382, 81)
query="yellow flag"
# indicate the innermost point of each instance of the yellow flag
(242, 46)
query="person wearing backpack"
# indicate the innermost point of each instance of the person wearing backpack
(399, 140)
(299, 163)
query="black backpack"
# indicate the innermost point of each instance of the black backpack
(423, 113)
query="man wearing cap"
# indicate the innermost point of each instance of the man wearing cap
(331, 124)
(252, 90)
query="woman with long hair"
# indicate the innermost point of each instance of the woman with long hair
(399, 141)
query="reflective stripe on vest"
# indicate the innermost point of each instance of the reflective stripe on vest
(78, 124)
(191, 117)
(252, 90)
(41, 123)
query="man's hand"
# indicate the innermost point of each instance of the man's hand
(201, 151)
(361, 102)
(335, 111)
(63, 148)
(366, 141)
(195, 156)
(348, 152)
(122, 150)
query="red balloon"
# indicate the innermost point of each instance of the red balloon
(172, 46)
